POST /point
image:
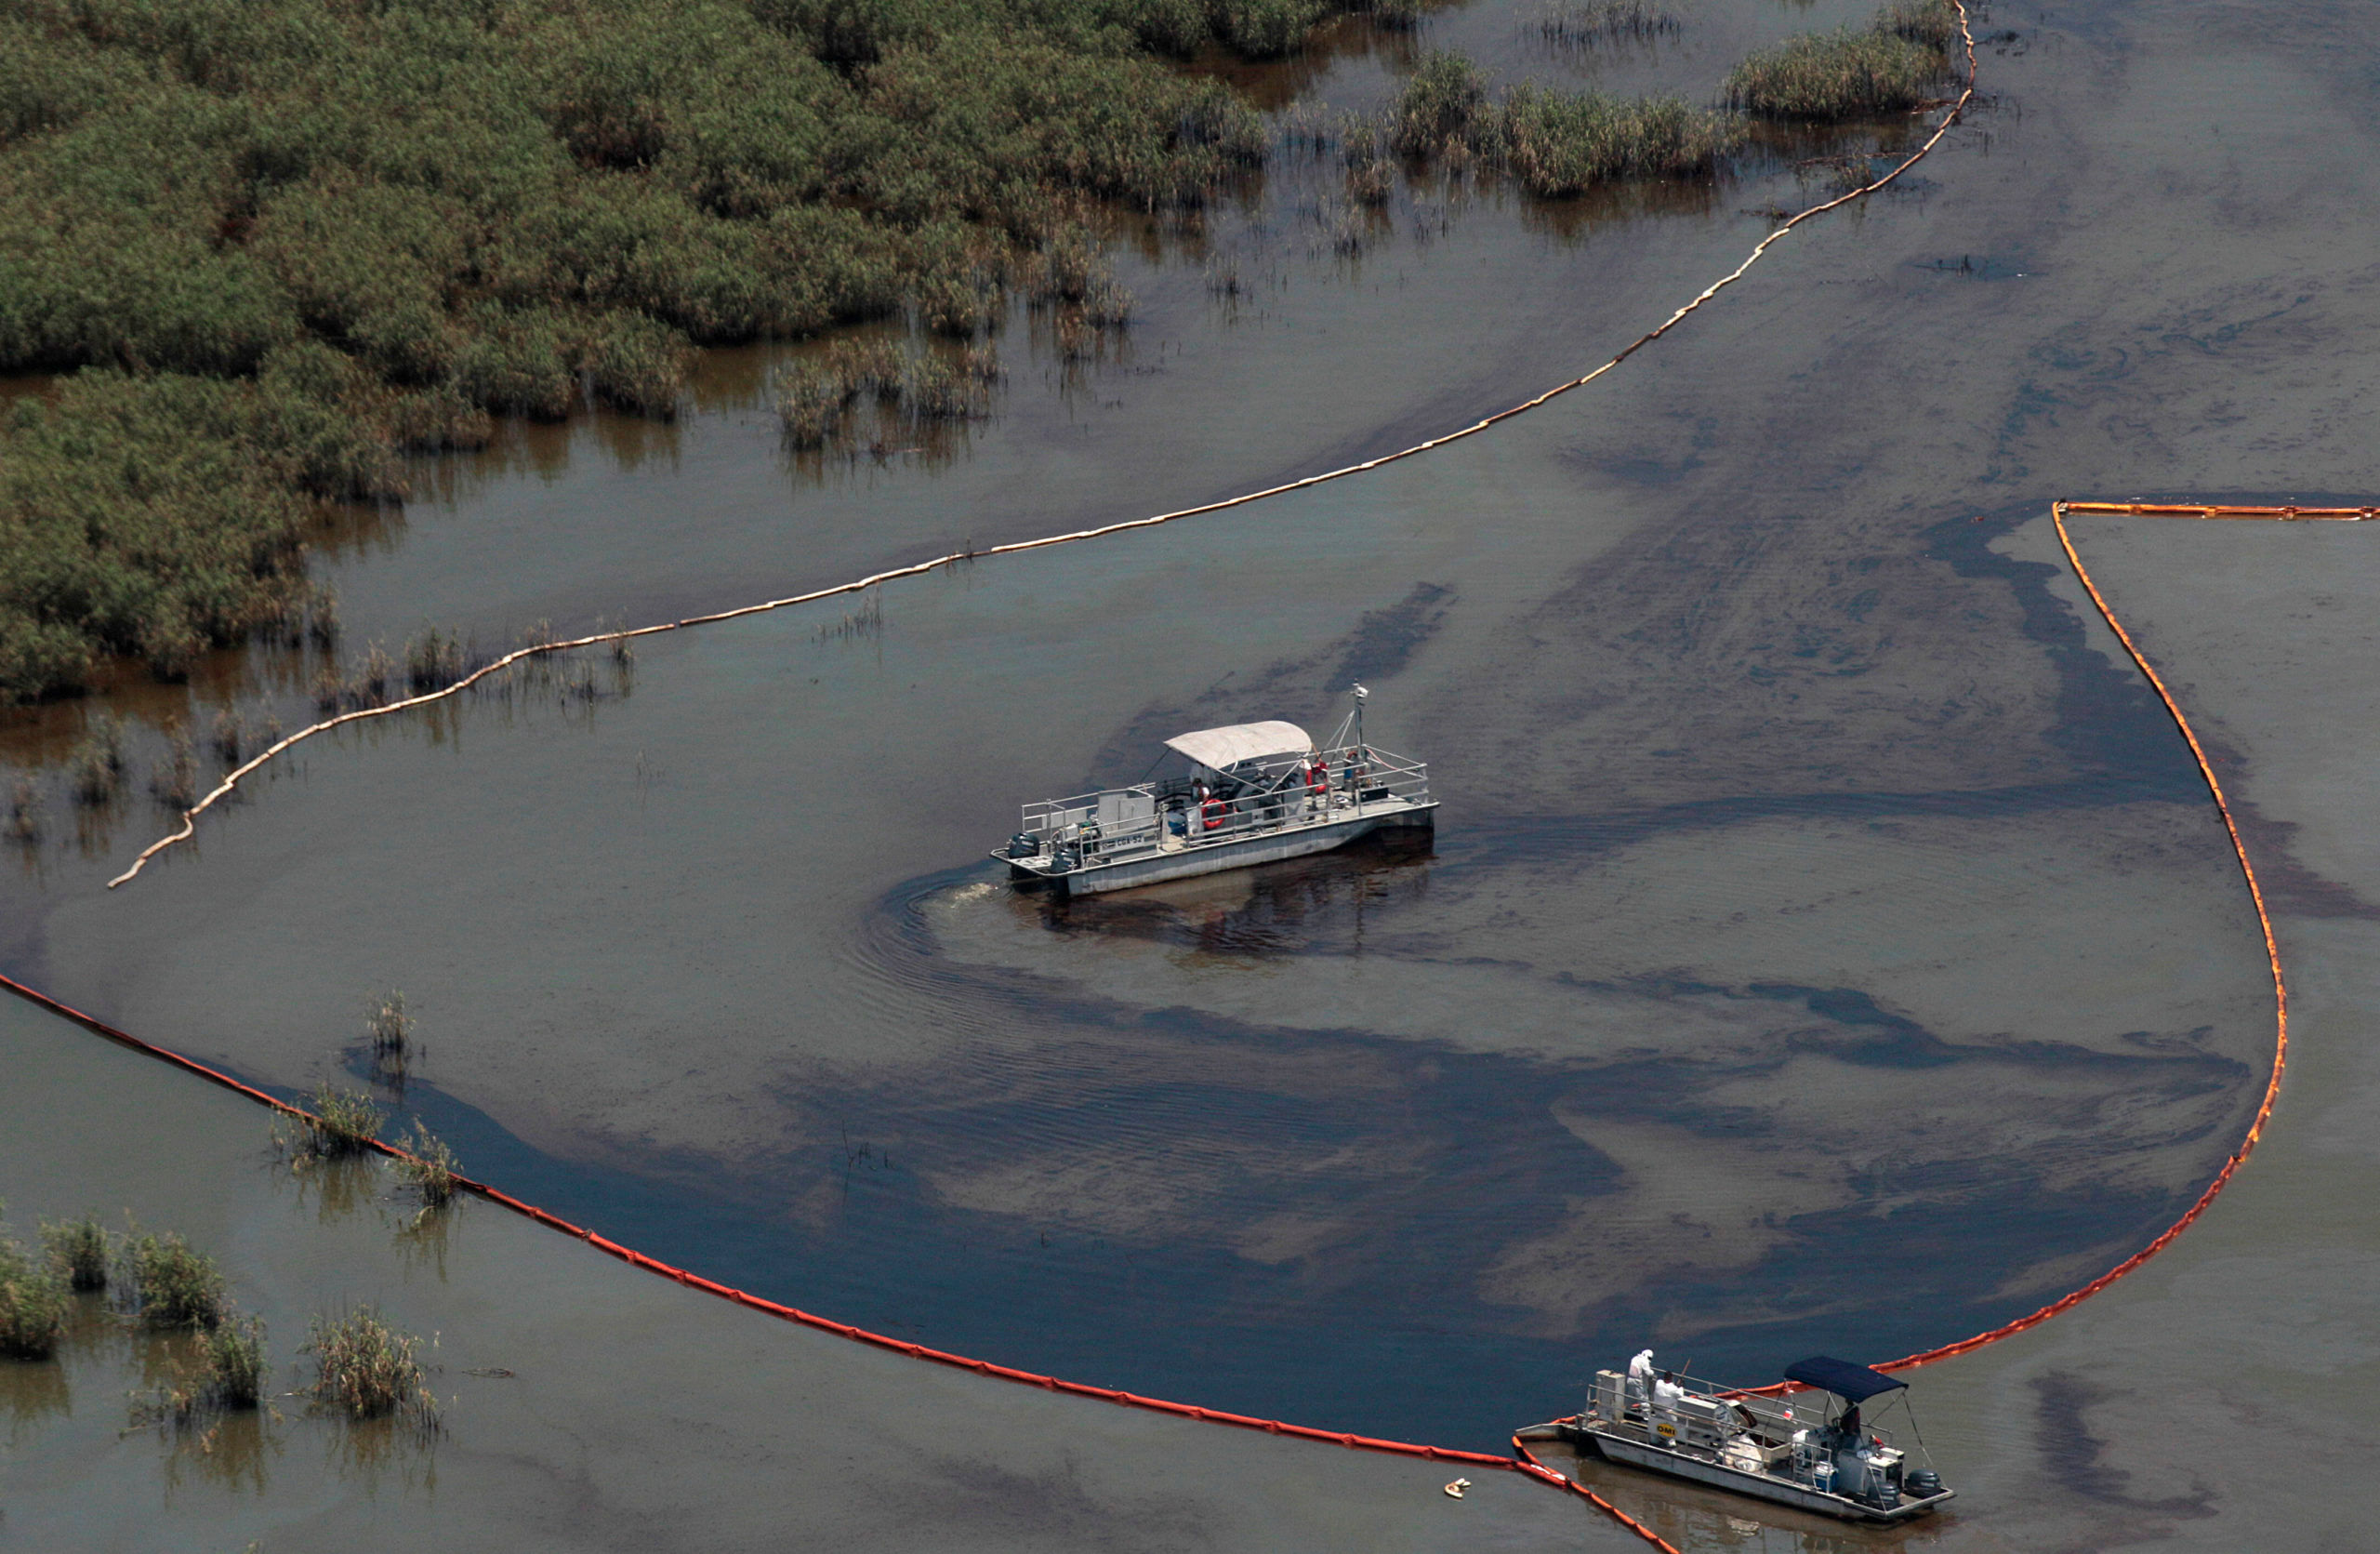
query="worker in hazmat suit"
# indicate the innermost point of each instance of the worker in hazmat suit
(1640, 1380)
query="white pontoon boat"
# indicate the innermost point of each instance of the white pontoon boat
(1251, 794)
(1786, 1449)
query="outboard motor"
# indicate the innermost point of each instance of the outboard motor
(1024, 845)
(1923, 1483)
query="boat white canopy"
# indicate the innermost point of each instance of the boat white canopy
(1220, 749)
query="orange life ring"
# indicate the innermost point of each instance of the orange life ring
(1211, 814)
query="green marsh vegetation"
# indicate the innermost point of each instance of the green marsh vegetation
(1554, 143)
(32, 1302)
(78, 1249)
(1895, 65)
(274, 249)
(167, 1283)
(429, 1168)
(338, 1124)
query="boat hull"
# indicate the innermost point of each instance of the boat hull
(1742, 1481)
(1095, 878)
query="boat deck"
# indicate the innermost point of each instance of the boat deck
(1122, 837)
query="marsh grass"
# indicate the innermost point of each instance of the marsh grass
(338, 1123)
(1554, 143)
(168, 1284)
(874, 392)
(272, 249)
(33, 1303)
(225, 1373)
(79, 1249)
(1934, 23)
(430, 1167)
(364, 1369)
(434, 659)
(174, 780)
(386, 1025)
(1890, 66)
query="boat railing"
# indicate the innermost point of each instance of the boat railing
(1354, 780)
(1776, 1419)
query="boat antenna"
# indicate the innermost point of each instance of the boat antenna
(1362, 696)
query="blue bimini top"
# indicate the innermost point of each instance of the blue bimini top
(1852, 1382)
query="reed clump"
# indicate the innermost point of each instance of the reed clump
(1932, 22)
(337, 1123)
(33, 1303)
(167, 1283)
(386, 1025)
(857, 390)
(1554, 143)
(434, 659)
(429, 1167)
(1892, 66)
(79, 1249)
(226, 1373)
(366, 1369)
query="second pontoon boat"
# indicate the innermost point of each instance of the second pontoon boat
(1820, 1458)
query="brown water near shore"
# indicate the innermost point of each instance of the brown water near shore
(1826, 946)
